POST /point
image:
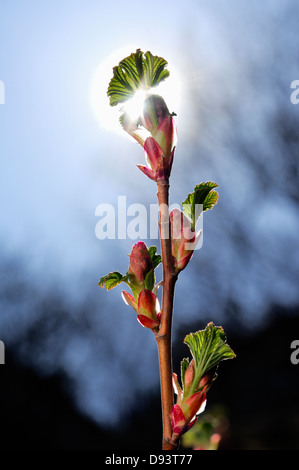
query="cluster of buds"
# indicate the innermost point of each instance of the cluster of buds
(160, 144)
(183, 239)
(142, 280)
(191, 401)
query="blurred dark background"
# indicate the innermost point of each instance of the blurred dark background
(80, 372)
(257, 395)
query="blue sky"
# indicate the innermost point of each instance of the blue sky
(236, 61)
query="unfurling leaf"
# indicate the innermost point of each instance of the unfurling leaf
(208, 348)
(139, 70)
(112, 280)
(156, 259)
(184, 367)
(203, 198)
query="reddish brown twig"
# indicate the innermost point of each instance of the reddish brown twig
(163, 336)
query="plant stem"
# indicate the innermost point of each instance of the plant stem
(163, 336)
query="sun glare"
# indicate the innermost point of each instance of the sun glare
(134, 106)
(108, 116)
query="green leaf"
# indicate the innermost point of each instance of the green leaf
(139, 70)
(210, 200)
(184, 367)
(202, 198)
(149, 281)
(156, 259)
(112, 280)
(208, 347)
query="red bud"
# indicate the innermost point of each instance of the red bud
(129, 300)
(178, 421)
(140, 263)
(206, 381)
(154, 111)
(189, 374)
(182, 237)
(166, 136)
(194, 405)
(147, 322)
(148, 307)
(159, 167)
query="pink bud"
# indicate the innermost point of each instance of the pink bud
(155, 130)
(194, 405)
(147, 322)
(189, 374)
(148, 307)
(156, 160)
(178, 421)
(154, 154)
(154, 111)
(159, 122)
(129, 300)
(147, 171)
(183, 239)
(140, 263)
(206, 381)
(183, 415)
(166, 136)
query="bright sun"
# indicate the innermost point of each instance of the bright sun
(108, 116)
